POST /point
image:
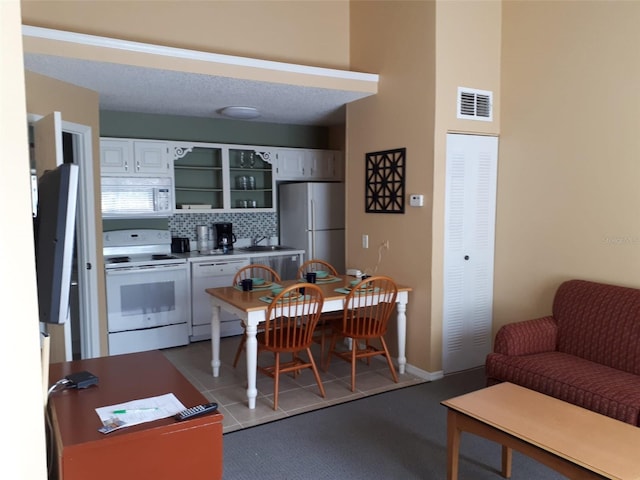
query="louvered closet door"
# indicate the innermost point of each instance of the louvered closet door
(470, 206)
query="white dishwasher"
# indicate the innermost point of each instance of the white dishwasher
(209, 274)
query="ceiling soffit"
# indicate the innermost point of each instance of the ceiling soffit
(146, 78)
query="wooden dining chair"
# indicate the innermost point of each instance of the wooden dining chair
(315, 265)
(290, 321)
(367, 309)
(255, 270)
(327, 320)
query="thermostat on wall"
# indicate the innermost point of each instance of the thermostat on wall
(416, 200)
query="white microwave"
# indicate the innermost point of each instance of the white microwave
(136, 197)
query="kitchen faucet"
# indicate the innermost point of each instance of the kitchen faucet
(256, 240)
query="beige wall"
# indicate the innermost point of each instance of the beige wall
(23, 435)
(468, 39)
(396, 40)
(77, 105)
(423, 51)
(569, 168)
(312, 32)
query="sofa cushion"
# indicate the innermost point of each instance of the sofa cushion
(573, 379)
(599, 322)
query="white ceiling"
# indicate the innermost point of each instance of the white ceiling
(148, 90)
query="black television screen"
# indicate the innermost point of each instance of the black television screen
(54, 232)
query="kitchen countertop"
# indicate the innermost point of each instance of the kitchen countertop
(235, 253)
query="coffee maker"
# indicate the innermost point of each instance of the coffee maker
(224, 235)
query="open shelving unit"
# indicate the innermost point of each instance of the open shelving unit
(251, 179)
(199, 179)
(215, 177)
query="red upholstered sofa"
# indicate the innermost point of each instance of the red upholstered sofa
(587, 353)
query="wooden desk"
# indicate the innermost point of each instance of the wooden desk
(163, 449)
(249, 307)
(572, 440)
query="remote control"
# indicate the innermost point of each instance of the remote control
(195, 411)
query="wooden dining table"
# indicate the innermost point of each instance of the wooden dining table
(251, 310)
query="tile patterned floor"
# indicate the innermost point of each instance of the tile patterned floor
(297, 395)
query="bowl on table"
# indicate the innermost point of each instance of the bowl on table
(257, 282)
(321, 274)
(366, 288)
(276, 291)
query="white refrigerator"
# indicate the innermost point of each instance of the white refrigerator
(311, 217)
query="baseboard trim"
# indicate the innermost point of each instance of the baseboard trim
(425, 375)
(415, 371)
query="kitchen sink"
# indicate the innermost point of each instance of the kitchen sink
(264, 248)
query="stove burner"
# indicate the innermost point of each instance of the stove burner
(161, 256)
(119, 259)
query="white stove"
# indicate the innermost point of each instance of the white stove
(148, 297)
(138, 248)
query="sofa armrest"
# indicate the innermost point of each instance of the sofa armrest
(527, 337)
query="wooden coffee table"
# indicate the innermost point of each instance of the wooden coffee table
(574, 441)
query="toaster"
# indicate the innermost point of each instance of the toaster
(180, 245)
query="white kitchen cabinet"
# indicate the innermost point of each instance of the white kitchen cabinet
(120, 156)
(309, 165)
(290, 163)
(326, 165)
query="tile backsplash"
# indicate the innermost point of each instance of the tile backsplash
(245, 225)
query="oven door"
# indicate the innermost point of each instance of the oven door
(147, 297)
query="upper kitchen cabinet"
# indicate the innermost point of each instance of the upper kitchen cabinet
(222, 177)
(199, 177)
(251, 178)
(119, 156)
(309, 165)
(327, 165)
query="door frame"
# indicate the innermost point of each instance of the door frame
(86, 248)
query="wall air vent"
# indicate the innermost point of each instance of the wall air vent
(475, 104)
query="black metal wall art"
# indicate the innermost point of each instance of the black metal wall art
(384, 181)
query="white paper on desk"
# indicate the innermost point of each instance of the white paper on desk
(166, 405)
